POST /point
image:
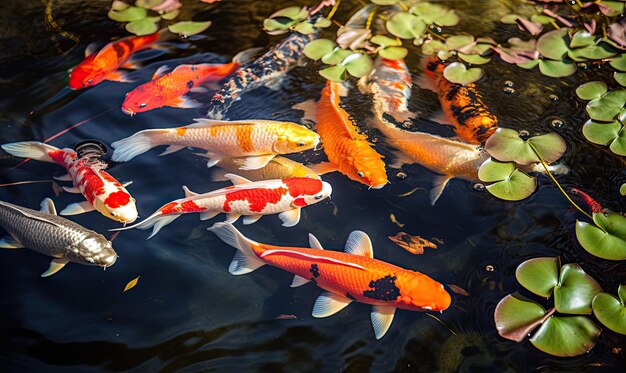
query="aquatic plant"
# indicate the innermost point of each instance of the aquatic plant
(293, 18)
(611, 311)
(606, 238)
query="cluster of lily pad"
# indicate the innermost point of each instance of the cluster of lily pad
(510, 152)
(566, 328)
(142, 19)
(293, 18)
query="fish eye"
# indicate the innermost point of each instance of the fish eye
(319, 196)
(143, 104)
(360, 174)
(301, 143)
(90, 260)
(112, 213)
(90, 80)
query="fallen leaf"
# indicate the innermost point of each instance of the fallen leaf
(413, 244)
(458, 290)
(131, 284)
(285, 317)
(393, 220)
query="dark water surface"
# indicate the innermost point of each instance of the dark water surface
(187, 313)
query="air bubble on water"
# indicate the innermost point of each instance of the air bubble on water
(557, 123)
(479, 187)
(374, 139)
(489, 268)
(509, 83)
(553, 97)
(508, 90)
(524, 134)
(402, 175)
(583, 65)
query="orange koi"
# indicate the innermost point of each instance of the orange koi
(353, 275)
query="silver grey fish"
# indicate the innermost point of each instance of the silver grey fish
(46, 233)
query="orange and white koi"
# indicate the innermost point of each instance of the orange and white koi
(277, 168)
(103, 65)
(462, 105)
(245, 198)
(257, 140)
(102, 191)
(169, 89)
(350, 276)
(347, 149)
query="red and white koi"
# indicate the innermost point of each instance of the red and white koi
(252, 200)
(102, 191)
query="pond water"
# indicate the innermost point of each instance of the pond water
(187, 313)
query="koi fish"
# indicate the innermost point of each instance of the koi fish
(277, 168)
(266, 70)
(103, 65)
(257, 140)
(462, 105)
(102, 191)
(46, 233)
(353, 275)
(169, 89)
(245, 198)
(347, 149)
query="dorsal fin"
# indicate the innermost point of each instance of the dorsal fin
(160, 72)
(314, 242)
(206, 123)
(236, 179)
(304, 256)
(48, 206)
(188, 193)
(359, 243)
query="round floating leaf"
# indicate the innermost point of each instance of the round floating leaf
(517, 187)
(619, 62)
(474, 59)
(459, 41)
(557, 69)
(132, 13)
(553, 44)
(322, 22)
(336, 56)
(385, 41)
(435, 14)
(305, 28)
(620, 78)
(505, 145)
(432, 46)
(319, 48)
(607, 240)
(406, 26)
(618, 146)
(189, 28)
(622, 189)
(610, 311)
(119, 5)
(171, 15)
(541, 19)
(591, 90)
(334, 73)
(510, 19)
(566, 336)
(384, 2)
(539, 275)
(144, 26)
(601, 133)
(516, 316)
(358, 64)
(278, 26)
(393, 53)
(582, 39)
(529, 65)
(457, 72)
(148, 3)
(575, 291)
(492, 170)
(295, 13)
(607, 107)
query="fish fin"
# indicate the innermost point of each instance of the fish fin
(359, 243)
(236, 179)
(47, 206)
(309, 108)
(198, 89)
(256, 162)
(65, 177)
(440, 118)
(323, 168)
(160, 72)
(314, 243)
(127, 183)
(439, 184)
(32, 149)
(245, 260)
(126, 149)
(118, 76)
(183, 102)
(91, 49)
(77, 208)
(171, 149)
(208, 215)
(131, 65)
(275, 84)
(247, 220)
(328, 304)
(298, 281)
(213, 161)
(247, 56)
(73, 189)
(218, 175)
(9, 242)
(382, 316)
(158, 223)
(55, 266)
(400, 159)
(290, 217)
(231, 218)
(425, 82)
(188, 193)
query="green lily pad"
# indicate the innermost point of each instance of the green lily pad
(566, 336)
(553, 44)
(620, 77)
(144, 26)
(393, 53)
(619, 62)
(119, 5)
(622, 189)
(319, 48)
(517, 187)
(591, 90)
(296, 13)
(305, 28)
(606, 239)
(457, 72)
(607, 107)
(539, 275)
(132, 13)
(335, 73)
(474, 59)
(618, 146)
(510, 19)
(322, 22)
(189, 27)
(171, 15)
(384, 2)
(385, 41)
(358, 64)
(557, 69)
(505, 145)
(575, 291)
(278, 26)
(406, 26)
(516, 316)
(601, 133)
(336, 57)
(492, 170)
(148, 3)
(435, 14)
(610, 311)
(432, 46)
(582, 39)
(541, 19)
(529, 64)
(592, 52)
(458, 41)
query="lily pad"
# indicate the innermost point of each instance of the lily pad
(517, 187)
(319, 48)
(334, 73)
(557, 69)
(575, 290)
(305, 28)
(610, 311)
(474, 59)
(492, 170)
(171, 15)
(296, 13)
(566, 336)
(336, 57)
(189, 27)
(620, 77)
(435, 14)
(505, 145)
(622, 189)
(457, 72)
(358, 64)
(145, 26)
(606, 239)
(539, 275)
(553, 44)
(406, 26)
(619, 62)
(516, 316)
(393, 53)
(385, 41)
(607, 107)
(582, 39)
(601, 133)
(129, 14)
(432, 46)
(591, 90)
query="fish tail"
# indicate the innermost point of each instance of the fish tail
(246, 260)
(155, 221)
(34, 150)
(139, 143)
(246, 56)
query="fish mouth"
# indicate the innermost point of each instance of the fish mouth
(128, 111)
(379, 186)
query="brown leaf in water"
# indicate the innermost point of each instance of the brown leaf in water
(413, 244)
(392, 217)
(458, 290)
(131, 284)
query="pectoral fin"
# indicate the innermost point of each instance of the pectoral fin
(323, 168)
(439, 185)
(231, 218)
(47, 205)
(118, 76)
(55, 266)
(290, 218)
(77, 208)
(359, 243)
(329, 304)
(65, 177)
(75, 190)
(256, 162)
(236, 179)
(298, 281)
(171, 149)
(183, 103)
(382, 316)
(9, 242)
(251, 219)
(208, 215)
(314, 243)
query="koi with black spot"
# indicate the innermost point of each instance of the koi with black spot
(462, 105)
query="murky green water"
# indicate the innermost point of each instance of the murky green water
(187, 312)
